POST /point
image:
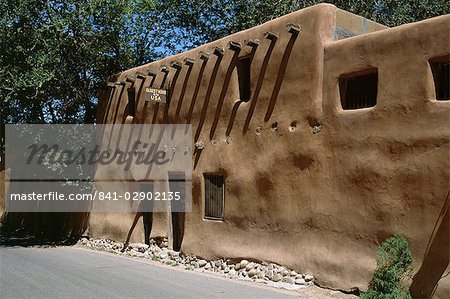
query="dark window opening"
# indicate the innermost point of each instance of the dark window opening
(214, 196)
(440, 68)
(131, 102)
(243, 69)
(359, 90)
(177, 185)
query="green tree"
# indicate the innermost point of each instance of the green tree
(391, 13)
(56, 54)
(394, 261)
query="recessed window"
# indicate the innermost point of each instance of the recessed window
(214, 196)
(131, 101)
(243, 68)
(441, 76)
(359, 90)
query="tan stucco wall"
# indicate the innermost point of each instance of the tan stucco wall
(390, 163)
(319, 197)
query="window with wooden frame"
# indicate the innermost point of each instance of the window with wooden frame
(440, 67)
(359, 90)
(214, 196)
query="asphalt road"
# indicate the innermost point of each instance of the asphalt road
(70, 272)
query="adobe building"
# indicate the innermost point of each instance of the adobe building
(317, 136)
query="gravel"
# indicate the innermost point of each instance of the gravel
(267, 273)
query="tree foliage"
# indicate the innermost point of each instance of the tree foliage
(388, 12)
(56, 54)
(393, 264)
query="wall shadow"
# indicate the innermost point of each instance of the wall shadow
(259, 83)
(116, 111)
(144, 111)
(172, 91)
(197, 154)
(28, 229)
(236, 105)
(436, 259)
(117, 104)
(280, 76)
(124, 117)
(233, 117)
(223, 92)
(196, 90)
(183, 92)
(208, 97)
(139, 93)
(112, 92)
(147, 217)
(156, 109)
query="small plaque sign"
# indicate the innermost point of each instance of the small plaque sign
(156, 95)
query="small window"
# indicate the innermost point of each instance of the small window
(131, 102)
(214, 195)
(441, 76)
(243, 68)
(359, 90)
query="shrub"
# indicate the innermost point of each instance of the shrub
(394, 261)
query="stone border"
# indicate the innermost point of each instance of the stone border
(266, 273)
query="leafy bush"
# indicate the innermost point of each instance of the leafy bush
(394, 261)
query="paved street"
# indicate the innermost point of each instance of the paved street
(70, 272)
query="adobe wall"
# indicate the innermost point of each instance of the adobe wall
(306, 50)
(307, 185)
(390, 166)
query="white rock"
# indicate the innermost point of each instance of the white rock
(293, 273)
(249, 266)
(277, 277)
(173, 253)
(288, 280)
(207, 266)
(251, 273)
(300, 281)
(162, 255)
(202, 263)
(261, 274)
(309, 277)
(244, 263)
(232, 273)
